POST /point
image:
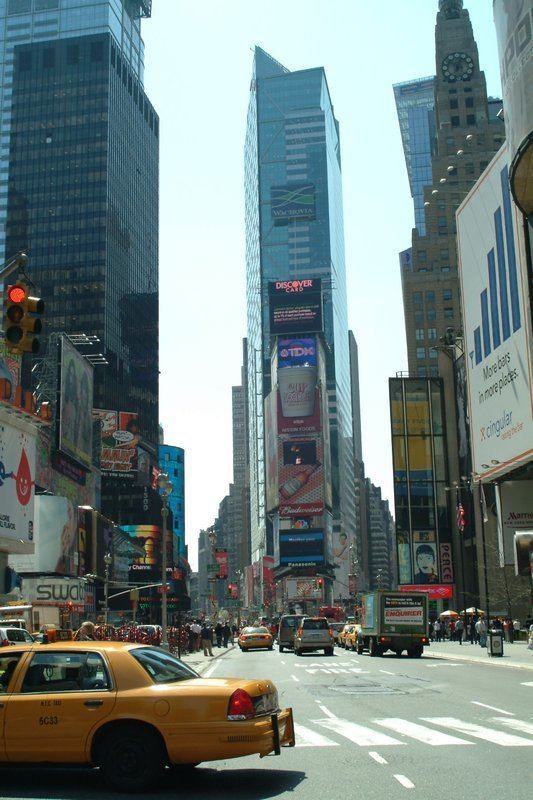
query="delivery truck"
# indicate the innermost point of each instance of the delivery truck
(394, 621)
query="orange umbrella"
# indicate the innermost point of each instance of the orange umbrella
(449, 615)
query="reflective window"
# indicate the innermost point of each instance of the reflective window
(8, 664)
(66, 672)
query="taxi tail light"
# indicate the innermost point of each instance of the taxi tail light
(299, 632)
(240, 705)
(331, 631)
(383, 639)
(425, 640)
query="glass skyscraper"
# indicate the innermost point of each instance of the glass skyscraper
(172, 462)
(293, 136)
(83, 203)
(415, 103)
(24, 21)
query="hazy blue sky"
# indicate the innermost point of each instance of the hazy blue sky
(198, 69)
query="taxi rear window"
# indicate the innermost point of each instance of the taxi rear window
(161, 666)
(255, 630)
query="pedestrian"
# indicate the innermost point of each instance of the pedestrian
(207, 638)
(226, 633)
(86, 632)
(190, 638)
(437, 627)
(459, 630)
(481, 630)
(530, 638)
(472, 630)
(234, 633)
(218, 634)
(451, 629)
(196, 629)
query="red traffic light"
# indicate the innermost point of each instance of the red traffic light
(16, 294)
(320, 581)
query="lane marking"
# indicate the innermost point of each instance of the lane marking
(527, 683)
(377, 757)
(359, 671)
(480, 732)
(335, 671)
(433, 666)
(305, 737)
(295, 678)
(325, 670)
(406, 783)
(327, 712)
(386, 672)
(420, 732)
(517, 724)
(283, 663)
(492, 708)
(318, 701)
(210, 671)
(364, 737)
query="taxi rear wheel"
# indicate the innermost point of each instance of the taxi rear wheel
(131, 758)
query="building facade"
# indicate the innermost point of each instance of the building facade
(292, 139)
(467, 134)
(83, 203)
(380, 527)
(172, 462)
(25, 21)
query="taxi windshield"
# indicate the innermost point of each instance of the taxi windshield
(162, 667)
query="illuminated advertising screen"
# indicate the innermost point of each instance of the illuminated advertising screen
(17, 484)
(301, 548)
(293, 201)
(76, 405)
(56, 535)
(295, 306)
(221, 558)
(145, 566)
(300, 477)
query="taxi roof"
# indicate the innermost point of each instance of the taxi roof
(73, 645)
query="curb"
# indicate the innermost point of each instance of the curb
(203, 665)
(494, 661)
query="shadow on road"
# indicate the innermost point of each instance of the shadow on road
(204, 783)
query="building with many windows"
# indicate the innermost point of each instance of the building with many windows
(292, 139)
(467, 133)
(172, 462)
(83, 203)
(25, 21)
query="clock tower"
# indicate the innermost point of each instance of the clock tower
(467, 134)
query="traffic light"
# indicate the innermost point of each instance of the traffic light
(22, 323)
(230, 590)
(320, 583)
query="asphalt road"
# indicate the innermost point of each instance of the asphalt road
(366, 728)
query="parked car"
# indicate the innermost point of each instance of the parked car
(287, 628)
(9, 636)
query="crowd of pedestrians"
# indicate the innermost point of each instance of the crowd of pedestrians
(472, 629)
(202, 635)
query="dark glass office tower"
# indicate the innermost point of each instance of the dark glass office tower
(83, 202)
(293, 138)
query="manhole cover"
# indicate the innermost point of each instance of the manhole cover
(366, 689)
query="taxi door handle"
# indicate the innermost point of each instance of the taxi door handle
(93, 703)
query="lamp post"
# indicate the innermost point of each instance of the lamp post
(212, 536)
(108, 560)
(166, 487)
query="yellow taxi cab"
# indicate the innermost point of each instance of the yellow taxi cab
(130, 709)
(350, 638)
(259, 637)
(343, 634)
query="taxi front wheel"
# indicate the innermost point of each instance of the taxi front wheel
(131, 758)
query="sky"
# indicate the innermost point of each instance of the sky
(198, 65)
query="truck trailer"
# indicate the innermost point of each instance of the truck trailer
(394, 621)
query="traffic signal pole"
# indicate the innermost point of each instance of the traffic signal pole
(15, 262)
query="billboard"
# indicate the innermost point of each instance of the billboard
(297, 352)
(496, 321)
(295, 306)
(514, 30)
(17, 485)
(301, 548)
(145, 564)
(9, 373)
(300, 476)
(294, 201)
(56, 535)
(434, 591)
(425, 561)
(514, 503)
(221, 559)
(271, 451)
(76, 405)
(119, 454)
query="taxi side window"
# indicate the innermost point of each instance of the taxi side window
(8, 664)
(66, 672)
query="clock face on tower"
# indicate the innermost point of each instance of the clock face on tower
(457, 67)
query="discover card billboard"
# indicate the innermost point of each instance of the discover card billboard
(496, 323)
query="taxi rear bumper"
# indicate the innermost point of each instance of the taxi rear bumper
(261, 736)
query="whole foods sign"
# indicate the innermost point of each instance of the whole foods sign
(495, 300)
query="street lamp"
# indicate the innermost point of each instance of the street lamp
(166, 487)
(108, 560)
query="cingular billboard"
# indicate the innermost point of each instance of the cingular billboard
(496, 319)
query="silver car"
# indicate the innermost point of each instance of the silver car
(314, 633)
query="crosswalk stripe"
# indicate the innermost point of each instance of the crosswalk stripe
(305, 737)
(480, 732)
(420, 732)
(323, 669)
(517, 724)
(364, 737)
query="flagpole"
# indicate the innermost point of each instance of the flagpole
(459, 510)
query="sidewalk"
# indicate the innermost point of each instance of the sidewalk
(515, 655)
(200, 663)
